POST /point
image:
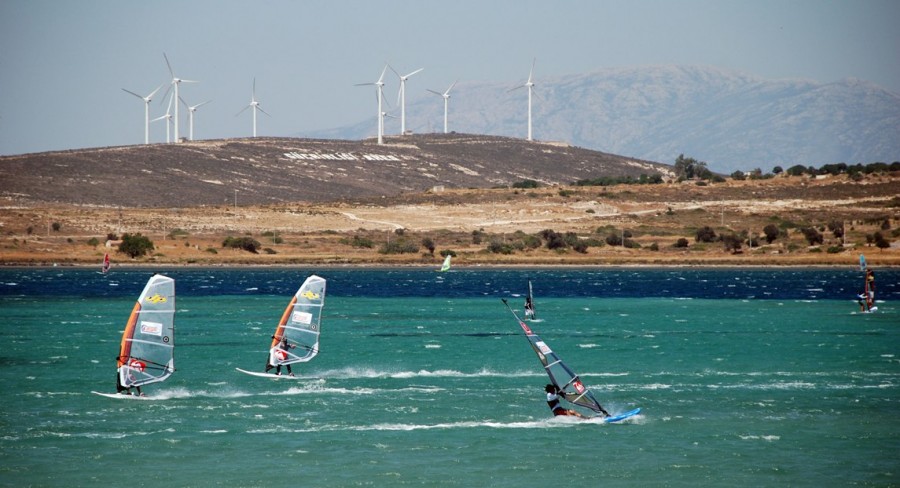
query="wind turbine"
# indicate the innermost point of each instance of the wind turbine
(379, 95)
(254, 104)
(146, 111)
(402, 97)
(530, 85)
(446, 96)
(175, 82)
(191, 110)
(167, 116)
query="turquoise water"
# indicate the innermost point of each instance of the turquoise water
(421, 388)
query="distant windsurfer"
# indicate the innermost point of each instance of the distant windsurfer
(283, 347)
(870, 288)
(553, 396)
(529, 307)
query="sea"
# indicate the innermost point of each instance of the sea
(745, 377)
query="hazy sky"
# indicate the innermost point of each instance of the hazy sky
(63, 64)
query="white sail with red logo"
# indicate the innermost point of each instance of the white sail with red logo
(146, 354)
(299, 324)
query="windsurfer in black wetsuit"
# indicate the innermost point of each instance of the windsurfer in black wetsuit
(125, 390)
(284, 345)
(553, 395)
(529, 307)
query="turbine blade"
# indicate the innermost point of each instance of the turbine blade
(381, 78)
(436, 93)
(451, 87)
(150, 96)
(395, 71)
(530, 73)
(242, 110)
(201, 104)
(263, 111)
(414, 72)
(514, 89)
(133, 93)
(169, 65)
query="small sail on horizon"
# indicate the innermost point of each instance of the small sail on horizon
(104, 267)
(147, 350)
(446, 265)
(300, 324)
(570, 385)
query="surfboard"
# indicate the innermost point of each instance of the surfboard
(622, 416)
(269, 375)
(121, 396)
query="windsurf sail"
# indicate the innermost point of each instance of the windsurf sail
(571, 387)
(104, 267)
(862, 262)
(529, 303)
(147, 351)
(446, 265)
(300, 325)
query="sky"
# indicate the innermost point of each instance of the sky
(64, 64)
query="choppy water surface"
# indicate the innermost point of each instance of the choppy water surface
(747, 378)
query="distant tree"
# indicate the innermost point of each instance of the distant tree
(526, 184)
(135, 245)
(248, 244)
(705, 234)
(777, 170)
(732, 242)
(56, 226)
(93, 241)
(812, 235)
(614, 239)
(428, 243)
(690, 168)
(797, 170)
(771, 231)
(682, 242)
(738, 175)
(476, 236)
(881, 242)
(447, 252)
(837, 228)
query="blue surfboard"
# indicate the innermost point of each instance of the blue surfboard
(622, 416)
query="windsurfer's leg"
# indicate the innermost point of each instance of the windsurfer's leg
(290, 373)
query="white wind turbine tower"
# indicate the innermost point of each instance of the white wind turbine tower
(446, 97)
(175, 82)
(254, 104)
(146, 111)
(191, 110)
(530, 85)
(167, 116)
(379, 94)
(402, 97)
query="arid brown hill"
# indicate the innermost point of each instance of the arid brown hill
(270, 170)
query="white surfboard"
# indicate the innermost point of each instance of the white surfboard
(121, 396)
(269, 375)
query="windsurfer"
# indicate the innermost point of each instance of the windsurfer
(553, 395)
(529, 307)
(125, 390)
(870, 288)
(283, 347)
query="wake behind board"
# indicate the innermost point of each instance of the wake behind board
(621, 416)
(120, 396)
(269, 375)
